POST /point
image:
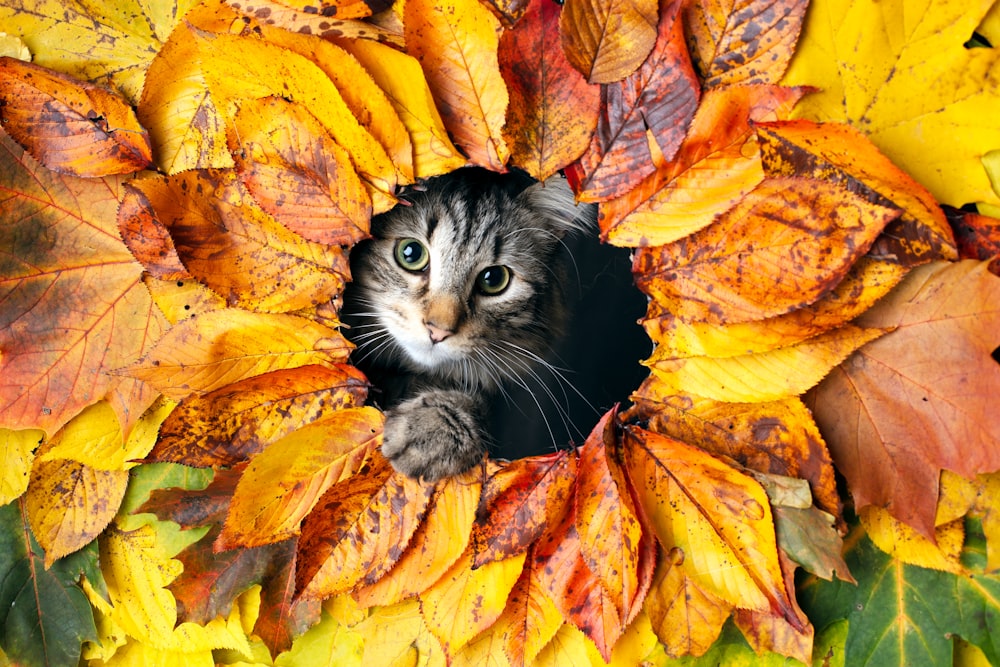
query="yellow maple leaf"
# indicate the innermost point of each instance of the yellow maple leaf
(899, 72)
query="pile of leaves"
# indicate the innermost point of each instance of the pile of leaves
(191, 474)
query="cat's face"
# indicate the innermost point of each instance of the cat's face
(466, 282)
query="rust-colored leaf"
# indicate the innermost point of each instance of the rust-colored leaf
(229, 425)
(553, 110)
(147, 238)
(977, 236)
(778, 437)
(654, 105)
(456, 44)
(784, 246)
(298, 174)
(232, 245)
(70, 126)
(361, 524)
(520, 502)
(922, 398)
(283, 483)
(719, 518)
(606, 40)
(342, 9)
(743, 41)
(816, 150)
(529, 620)
(220, 347)
(716, 166)
(606, 521)
(74, 306)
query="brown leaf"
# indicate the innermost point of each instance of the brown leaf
(655, 104)
(147, 238)
(784, 246)
(816, 150)
(606, 40)
(193, 508)
(717, 164)
(456, 44)
(743, 41)
(922, 398)
(229, 425)
(977, 236)
(74, 306)
(70, 126)
(553, 110)
(520, 502)
(808, 537)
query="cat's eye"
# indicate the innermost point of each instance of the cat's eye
(493, 279)
(412, 255)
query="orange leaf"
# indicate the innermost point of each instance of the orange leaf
(520, 502)
(147, 238)
(204, 353)
(362, 524)
(291, 17)
(70, 503)
(229, 425)
(816, 150)
(743, 41)
(456, 44)
(553, 110)
(922, 398)
(719, 518)
(784, 246)
(298, 174)
(467, 600)
(74, 306)
(342, 9)
(529, 620)
(69, 126)
(606, 522)
(285, 481)
(716, 166)
(232, 245)
(654, 105)
(435, 546)
(606, 40)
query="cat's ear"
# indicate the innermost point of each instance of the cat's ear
(555, 201)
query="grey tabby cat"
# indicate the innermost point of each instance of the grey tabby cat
(461, 290)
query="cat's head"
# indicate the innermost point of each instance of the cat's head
(465, 281)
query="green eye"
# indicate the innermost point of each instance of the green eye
(493, 279)
(412, 255)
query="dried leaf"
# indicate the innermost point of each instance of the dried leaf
(69, 126)
(456, 44)
(231, 424)
(529, 620)
(921, 399)
(808, 537)
(220, 347)
(785, 245)
(146, 237)
(744, 41)
(606, 40)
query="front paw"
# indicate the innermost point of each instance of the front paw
(433, 436)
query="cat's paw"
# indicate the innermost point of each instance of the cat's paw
(434, 435)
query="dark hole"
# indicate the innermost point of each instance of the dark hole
(978, 41)
(996, 355)
(600, 355)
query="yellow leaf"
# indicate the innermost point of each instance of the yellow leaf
(224, 346)
(400, 77)
(906, 544)
(70, 503)
(768, 376)
(956, 498)
(17, 451)
(397, 636)
(464, 602)
(569, 646)
(14, 47)
(329, 643)
(180, 299)
(283, 483)
(456, 43)
(899, 72)
(988, 510)
(93, 438)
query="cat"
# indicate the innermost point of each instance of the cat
(462, 289)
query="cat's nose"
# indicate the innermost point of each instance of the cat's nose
(438, 334)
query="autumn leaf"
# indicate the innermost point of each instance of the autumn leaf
(741, 42)
(17, 450)
(977, 236)
(69, 126)
(75, 308)
(908, 92)
(653, 105)
(146, 237)
(553, 110)
(902, 410)
(456, 44)
(606, 40)
(529, 620)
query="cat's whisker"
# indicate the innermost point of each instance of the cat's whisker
(556, 371)
(560, 407)
(513, 376)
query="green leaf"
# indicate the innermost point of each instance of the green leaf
(732, 650)
(44, 615)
